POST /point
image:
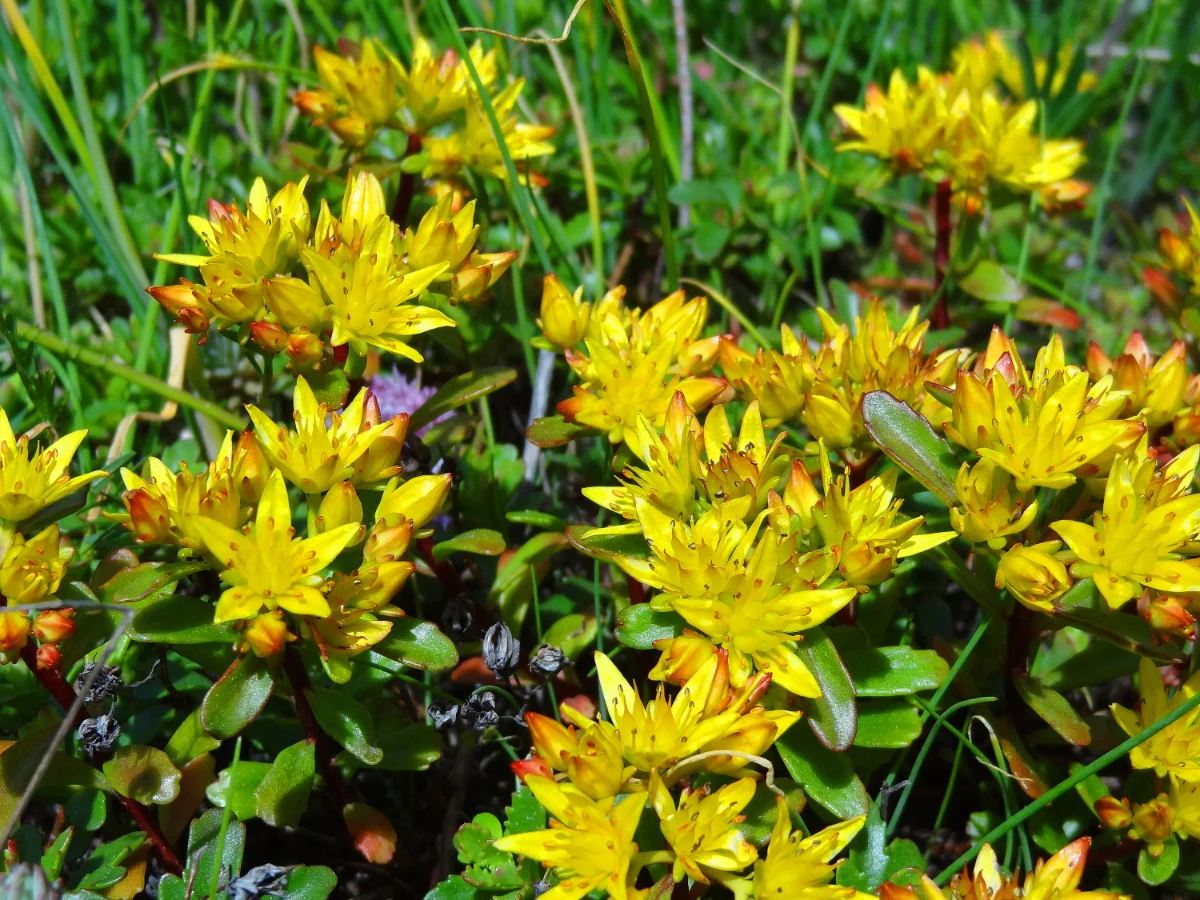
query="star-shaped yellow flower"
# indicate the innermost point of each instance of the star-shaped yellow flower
(31, 482)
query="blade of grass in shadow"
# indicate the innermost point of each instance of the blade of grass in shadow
(728, 305)
(1068, 784)
(657, 164)
(1116, 136)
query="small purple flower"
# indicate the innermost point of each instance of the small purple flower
(397, 394)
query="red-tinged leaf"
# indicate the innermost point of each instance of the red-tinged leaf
(1041, 311)
(1054, 710)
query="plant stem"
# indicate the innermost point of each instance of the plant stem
(52, 680)
(293, 667)
(1068, 784)
(940, 317)
(1020, 636)
(445, 572)
(408, 184)
(59, 347)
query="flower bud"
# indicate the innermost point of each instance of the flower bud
(418, 499)
(267, 633)
(501, 651)
(295, 303)
(1175, 252)
(681, 657)
(181, 301)
(1113, 813)
(54, 625)
(373, 834)
(1161, 287)
(564, 318)
(305, 349)
(1154, 821)
(1033, 576)
(250, 468)
(48, 657)
(14, 631)
(352, 130)
(341, 506)
(149, 516)
(1166, 612)
(548, 661)
(317, 105)
(269, 336)
(829, 420)
(381, 460)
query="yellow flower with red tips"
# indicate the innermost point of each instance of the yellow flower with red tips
(984, 61)
(904, 126)
(625, 382)
(736, 592)
(799, 866)
(989, 509)
(661, 736)
(416, 500)
(863, 528)
(1155, 387)
(31, 481)
(436, 87)
(265, 565)
(475, 147)
(359, 91)
(589, 756)
(370, 297)
(1046, 436)
(701, 829)
(446, 237)
(1175, 750)
(1134, 541)
(590, 845)
(777, 379)
(317, 455)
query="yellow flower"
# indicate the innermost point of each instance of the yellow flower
(31, 482)
(436, 87)
(564, 318)
(626, 381)
(317, 456)
(475, 146)
(777, 379)
(359, 91)
(265, 565)
(861, 525)
(590, 845)
(1034, 575)
(1133, 541)
(416, 500)
(163, 507)
(33, 569)
(1175, 750)
(990, 59)
(1182, 254)
(370, 296)
(737, 593)
(745, 467)
(661, 736)
(1185, 802)
(1045, 436)
(1155, 388)
(266, 634)
(904, 126)
(702, 829)
(988, 509)
(243, 250)
(1054, 879)
(443, 236)
(363, 208)
(799, 866)
(590, 757)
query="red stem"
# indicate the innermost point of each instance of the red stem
(52, 680)
(408, 185)
(637, 590)
(1020, 636)
(940, 317)
(293, 667)
(445, 572)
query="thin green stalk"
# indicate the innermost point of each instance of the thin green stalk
(279, 101)
(214, 886)
(537, 621)
(654, 140)
(785, 97)
(1117, 133)
(939, 720)
(830, 66)
(941, 813)
(1068, 784)
(727, 304)
(518, 288)
(52, 342)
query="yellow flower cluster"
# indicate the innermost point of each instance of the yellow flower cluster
(596, 779)
(632, 362)
(238, 516)
(363, 274)
(366, 90)
(823, 388)
(1045, 429)
(32, 568)
(957, 126)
